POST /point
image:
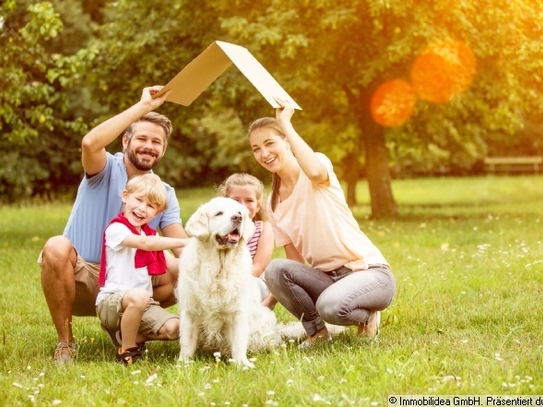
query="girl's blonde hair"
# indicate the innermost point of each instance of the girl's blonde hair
(240, 180)
(152, 187)
(269, 123)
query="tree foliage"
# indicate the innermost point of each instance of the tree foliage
(341, 51)
(331, 56)
(37, 124)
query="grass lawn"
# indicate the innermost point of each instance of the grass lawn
(467, 254)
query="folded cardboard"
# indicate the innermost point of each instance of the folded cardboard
(188, 84)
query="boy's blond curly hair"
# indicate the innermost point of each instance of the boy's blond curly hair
(152, 187)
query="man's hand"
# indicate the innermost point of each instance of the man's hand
(149, 97)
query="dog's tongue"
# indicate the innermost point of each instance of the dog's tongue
(231, 238)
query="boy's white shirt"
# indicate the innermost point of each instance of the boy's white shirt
(121, 273)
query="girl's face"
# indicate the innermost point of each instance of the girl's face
(268, 148)
(137, 209)
(245, 195)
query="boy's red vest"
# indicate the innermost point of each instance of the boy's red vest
(154, 260)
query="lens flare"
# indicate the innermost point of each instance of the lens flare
(444, 70)
(393, 103)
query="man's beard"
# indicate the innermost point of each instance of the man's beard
(139, 164)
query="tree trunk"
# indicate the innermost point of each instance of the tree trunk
(378, 175)
(351, 171)
(383, 204)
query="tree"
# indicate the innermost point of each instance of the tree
(331, 56)
(341, 51)
(36, 124)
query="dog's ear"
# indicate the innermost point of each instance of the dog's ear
(248, 226)
(198, 225)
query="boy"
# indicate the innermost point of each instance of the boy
(131, 254)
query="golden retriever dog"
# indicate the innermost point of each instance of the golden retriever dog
(219, 301)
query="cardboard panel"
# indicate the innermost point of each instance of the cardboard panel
(188, 84)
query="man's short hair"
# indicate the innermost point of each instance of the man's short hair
(155, 118)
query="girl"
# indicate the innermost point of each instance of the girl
(346, 280)
(249, 191)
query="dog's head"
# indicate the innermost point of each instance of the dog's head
(221, 221)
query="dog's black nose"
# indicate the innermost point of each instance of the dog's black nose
(236, 218)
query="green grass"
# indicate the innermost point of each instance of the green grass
(467, 254)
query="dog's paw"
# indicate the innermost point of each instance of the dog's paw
(184, 359)
(243, 362)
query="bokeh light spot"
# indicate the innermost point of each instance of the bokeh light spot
(393, 103)
(444, 70)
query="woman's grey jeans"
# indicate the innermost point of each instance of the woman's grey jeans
(340, 297)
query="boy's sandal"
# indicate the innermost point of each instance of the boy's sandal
(142, 347)
(117, 339)
(128, 356)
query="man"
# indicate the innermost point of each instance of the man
(70, 263)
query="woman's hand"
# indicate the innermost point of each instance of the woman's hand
(303, 153)
(284, 113)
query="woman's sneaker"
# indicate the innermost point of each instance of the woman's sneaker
(128, 356)
(371, 328)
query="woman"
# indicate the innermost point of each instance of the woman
(332, 271)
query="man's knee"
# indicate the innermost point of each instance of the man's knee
(172, 265)
(57, 261)
(164, 293)
(57, 249)
(164, 280)
(168, 279)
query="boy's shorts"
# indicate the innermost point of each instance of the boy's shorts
(86, 286)
(110, 311)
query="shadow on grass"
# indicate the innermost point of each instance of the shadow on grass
(452, 211)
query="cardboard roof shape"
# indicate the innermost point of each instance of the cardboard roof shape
(188, 84)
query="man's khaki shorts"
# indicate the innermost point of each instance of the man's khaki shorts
(87, 287)
(110, 312)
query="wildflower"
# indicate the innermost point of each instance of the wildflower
(151, 379)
